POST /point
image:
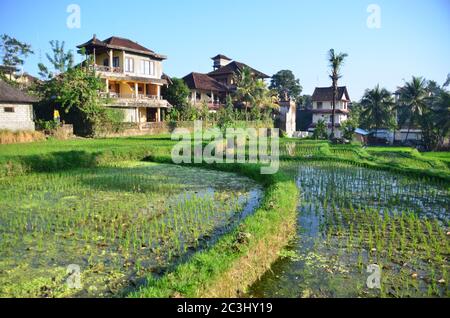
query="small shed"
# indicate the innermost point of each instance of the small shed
(16, 108)
(361, 135)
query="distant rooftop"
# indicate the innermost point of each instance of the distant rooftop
(325, 94)
(236, 67)
(10, 94)
(221, 56)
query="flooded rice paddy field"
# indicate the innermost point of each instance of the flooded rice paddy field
(351, 217)
(118, 224)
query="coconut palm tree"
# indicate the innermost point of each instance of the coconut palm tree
(336, 61)
(252, 92)
(414, 100)
(377, 105)
(245, 89)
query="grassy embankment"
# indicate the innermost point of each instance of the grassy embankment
(403, 160)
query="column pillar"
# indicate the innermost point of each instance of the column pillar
(136, 90)
(107, 85)
(111, 59)
(158, 115)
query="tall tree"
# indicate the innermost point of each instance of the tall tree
(285, 83)
(435, 119)
(253, 92)
(60, 60)
(377, 105)
(245, 89)
(13, 51)
(414, 99)
(177, 93)
(336, 61)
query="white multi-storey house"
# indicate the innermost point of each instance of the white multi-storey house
(322, 108)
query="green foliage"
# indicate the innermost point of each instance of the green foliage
(377, 109)
(225, 116)
(13, 51)
(336, 60)
(60, 60)
(76, 91)
(285, 83)
(320, 131)
(348, 128)
(177, 94)
(46, 125)
(252, 92)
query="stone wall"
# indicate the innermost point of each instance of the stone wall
(20, 119)
(169, 127)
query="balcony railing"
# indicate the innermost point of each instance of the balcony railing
(144, 97)
(108, 69)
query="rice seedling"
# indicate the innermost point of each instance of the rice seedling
(129, 218)
(371, 216)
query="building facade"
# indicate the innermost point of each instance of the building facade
(322, 100)
(16, 109)
(133, 76)
(213, 87)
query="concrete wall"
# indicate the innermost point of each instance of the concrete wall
(287, 117)
(338, 118)
(166, 128)
(20, 119)
(327, 105)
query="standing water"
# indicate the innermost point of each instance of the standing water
(350, 218)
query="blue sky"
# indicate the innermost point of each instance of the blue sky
(269, 35)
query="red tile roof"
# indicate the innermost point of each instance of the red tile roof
(203, 82)
(115, 42)
(236, 67)
(125, 43)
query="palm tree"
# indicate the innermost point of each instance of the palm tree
(253, 92)
(245, 89)
(414, 98)
(336, 61)
(442, 113)
(377, 105)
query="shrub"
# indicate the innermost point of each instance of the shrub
(46, 125)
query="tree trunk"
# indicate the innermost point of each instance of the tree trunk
(407, 133)
(333, 109)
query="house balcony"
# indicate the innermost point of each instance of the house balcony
(108, 69)
(135, 100)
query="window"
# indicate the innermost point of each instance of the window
(116, 61)
(105, 62)
(145, 67)
(129, 65)
(8, 109)
(319, 105)
(152, 68)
